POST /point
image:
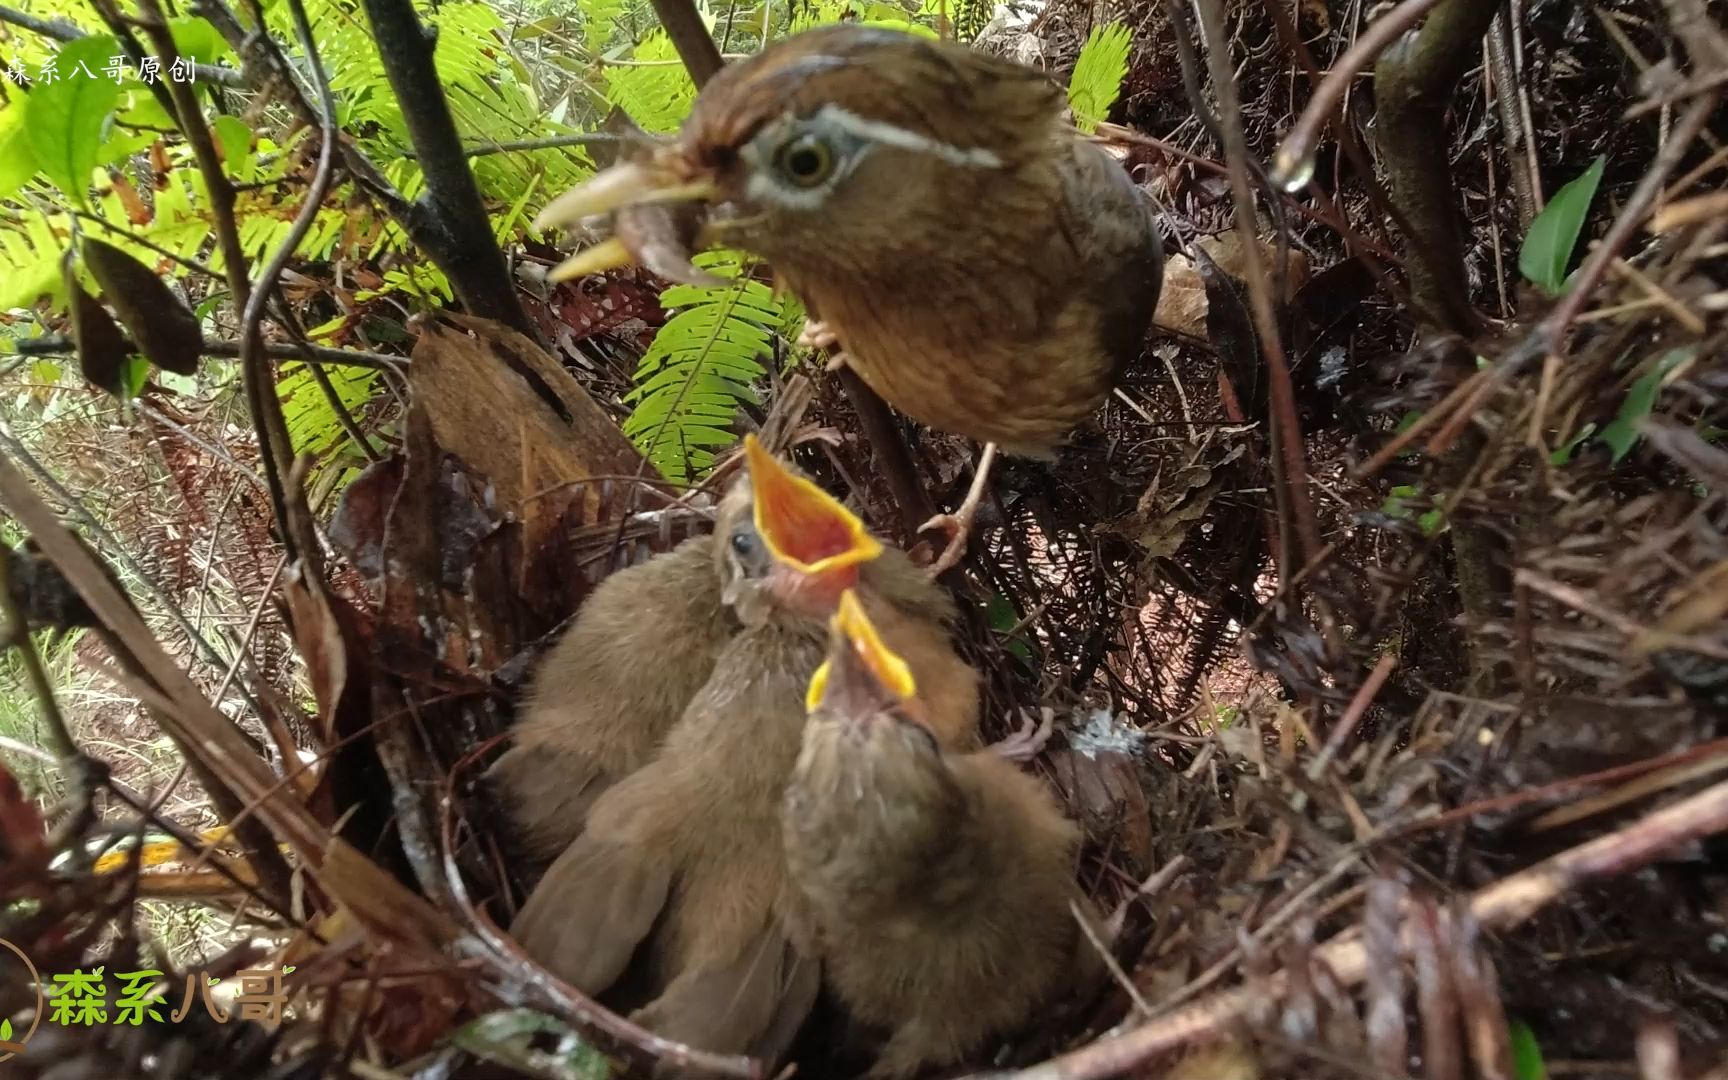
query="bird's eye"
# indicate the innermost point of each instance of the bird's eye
(744, 544)
(805, 161)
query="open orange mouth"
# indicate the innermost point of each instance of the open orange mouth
(803, 526)
(855, 632)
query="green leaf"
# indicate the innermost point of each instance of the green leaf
(64, 119)
(1547, 251)
(17, 161)
(1563, 455)
(197, 39)
(1098, 74)
(234, 139)
(134, 373)
(1526, 1055)
(6, 1030)
(1004, 617)
(1622, 434)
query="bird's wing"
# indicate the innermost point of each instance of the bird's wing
(596, 904)
(752, 1005)
(1114, 229)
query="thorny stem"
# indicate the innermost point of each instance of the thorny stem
(1286, 428)
(111, 545)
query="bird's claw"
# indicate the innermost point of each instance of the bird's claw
(1029, 741)
(958, 529)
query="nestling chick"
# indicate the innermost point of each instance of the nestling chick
(986, 268)
(936, 888)
(680, 870)
(644, 643)
(605, 695)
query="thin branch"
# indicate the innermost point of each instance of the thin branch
(1293, 164)
(224, 349)
(1286, 428)
(61, 30)
(256, 375)
(551, 142)
(465, 250)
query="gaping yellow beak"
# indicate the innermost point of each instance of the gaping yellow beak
(626, 185)
(804, 527)
(857, 651)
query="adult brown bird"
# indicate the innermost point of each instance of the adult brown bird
(646, 641)
(936, 888)
(679, 877)
(986, 269)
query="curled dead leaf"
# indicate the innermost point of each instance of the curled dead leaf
(103, 351)
(1182, 303)
(162, 326)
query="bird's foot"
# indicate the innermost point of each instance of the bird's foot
(817, 335)
(958, 525)
(1029, 741)
(958, 529)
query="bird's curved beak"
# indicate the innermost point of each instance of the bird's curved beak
(861, 675)
(620, 188)
(805, 528)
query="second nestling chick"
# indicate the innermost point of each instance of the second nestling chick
(611, 687)
(936, 888)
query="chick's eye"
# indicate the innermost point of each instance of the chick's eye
(744, 544)
(805, 161)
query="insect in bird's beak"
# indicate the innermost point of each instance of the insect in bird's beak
(805, 528)
(860, 667)
(633, 191)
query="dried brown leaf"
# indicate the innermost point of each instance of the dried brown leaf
(161, 325)
(103, 350)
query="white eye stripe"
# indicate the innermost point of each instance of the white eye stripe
(889, 135)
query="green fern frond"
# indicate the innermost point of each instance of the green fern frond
(657, 97)
(599, 20)
(701, 367)
(1098, 74)
(30, 262)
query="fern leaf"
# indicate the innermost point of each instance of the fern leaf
(30, 263)
(657, 97)
(600, 19)
(1098, 74)
(701, 367)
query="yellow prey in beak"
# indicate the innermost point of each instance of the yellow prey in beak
(644, 200)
